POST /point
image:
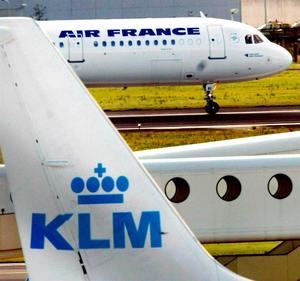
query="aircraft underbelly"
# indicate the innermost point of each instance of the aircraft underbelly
(166, 70)
(139, 70)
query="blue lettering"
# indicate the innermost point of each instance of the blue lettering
(79, 34)
(146, 31)
(122, 221)
(129, 32)
(179, 31)
(113, 32)
(92, 33)
(67, 33)
(85, 240)
(40, 231)
(163, 31)
(193, 31)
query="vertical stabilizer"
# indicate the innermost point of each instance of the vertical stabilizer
(86, 209)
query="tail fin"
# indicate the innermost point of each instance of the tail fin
(86, 209)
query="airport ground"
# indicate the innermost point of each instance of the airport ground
(282, 89)
(141, 140)
(279, 90)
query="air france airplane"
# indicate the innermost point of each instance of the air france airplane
(167, 51)
(86, 209)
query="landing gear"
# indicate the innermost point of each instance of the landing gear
(211, 107)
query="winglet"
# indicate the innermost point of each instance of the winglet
(202, 15)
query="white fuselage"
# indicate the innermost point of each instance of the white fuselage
(168, 51)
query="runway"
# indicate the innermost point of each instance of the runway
(227, 118)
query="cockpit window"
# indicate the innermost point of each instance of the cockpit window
(257, 39)
(248, 39)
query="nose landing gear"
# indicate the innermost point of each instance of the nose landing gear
(211, 107)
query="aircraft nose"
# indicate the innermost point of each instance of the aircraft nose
(284, 57)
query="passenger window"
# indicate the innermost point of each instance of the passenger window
(164, 42)
(138, 42)
(96, 44)
(177, 190)
(130, 43)
(113, 43)
(61, 44)
(229, 188)
(155, 42)
(104, 43)
(147, 42)
(248, 39)
(257, 39)
(173, 42)
(121, 43)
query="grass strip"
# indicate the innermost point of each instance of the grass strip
(282, 89)
(153, 139)
(157, 139)
(244, 248)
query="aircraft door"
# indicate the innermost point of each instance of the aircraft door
(76, 49)
(216, 42)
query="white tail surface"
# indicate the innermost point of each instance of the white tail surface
(86, 209)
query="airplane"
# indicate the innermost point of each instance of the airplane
(166, 51)
(234, 175)
(86, 209)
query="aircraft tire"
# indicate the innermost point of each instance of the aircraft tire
(212, 108)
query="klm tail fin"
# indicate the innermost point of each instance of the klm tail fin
(86, 209)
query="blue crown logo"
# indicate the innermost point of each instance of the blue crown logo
(93, 185)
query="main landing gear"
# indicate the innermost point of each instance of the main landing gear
(211, 107)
